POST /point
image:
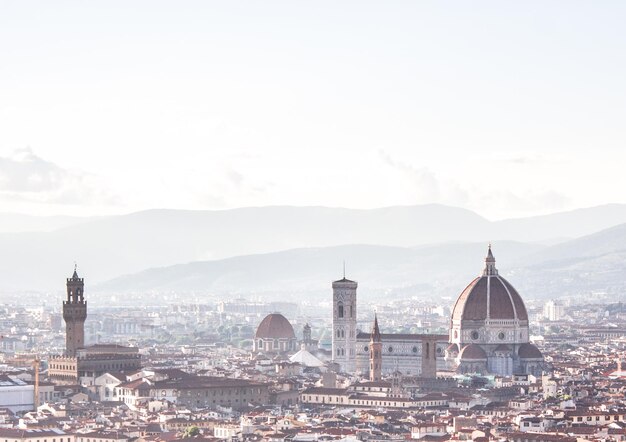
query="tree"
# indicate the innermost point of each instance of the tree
(191, 431)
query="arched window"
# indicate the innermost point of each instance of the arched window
(340, 310)
(428, 350)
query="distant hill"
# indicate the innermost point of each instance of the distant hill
(594, 263)
(604, 242)
(292, 273)
(111, 246)
(570, 224)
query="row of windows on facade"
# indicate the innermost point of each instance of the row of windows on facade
(342, 352)
(228, 391)
(103, 367)
(475, 335)
(341, 333)
(339, 400)
(228, 401)
(61, 439)
(82, 439)
(589, 418)
(63, 367)
(275, 343)
(390, 349)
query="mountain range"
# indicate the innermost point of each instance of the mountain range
(278, 249)
(591, 264)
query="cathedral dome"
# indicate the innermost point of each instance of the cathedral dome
(489, 296)
(275, 326)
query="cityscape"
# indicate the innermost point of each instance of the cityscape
(485, 366)
(312, 221)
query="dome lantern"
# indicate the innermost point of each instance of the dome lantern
(490, 264)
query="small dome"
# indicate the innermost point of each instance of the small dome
(473, 352)
(489, 296)
(502, 348)
(529, 351)
(275, 326)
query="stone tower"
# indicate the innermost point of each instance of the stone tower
(74, 314)
(429, 356)
(344, 324)
(306, 333)
(376, 353)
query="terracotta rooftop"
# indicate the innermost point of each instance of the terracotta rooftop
(275, 326)
(529, 351)
(492, 294)
(473, 352)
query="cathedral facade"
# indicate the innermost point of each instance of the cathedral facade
(411, 354)
(488, 334)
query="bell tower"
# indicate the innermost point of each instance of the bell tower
(74, 314)
(376, 352)
(344, 324)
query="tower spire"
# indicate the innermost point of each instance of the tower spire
(375, 336)
(376, 352)
(490, 263)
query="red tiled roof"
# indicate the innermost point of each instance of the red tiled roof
(275, 326)
(529, 351)
(473, 352)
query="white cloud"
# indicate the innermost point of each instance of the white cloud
(28, 178)
(489, 197)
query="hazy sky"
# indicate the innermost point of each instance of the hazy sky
(509, 108)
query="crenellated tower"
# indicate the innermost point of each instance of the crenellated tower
(74, 314)
(344, 324)
(376, 352)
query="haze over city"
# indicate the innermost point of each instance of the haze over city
(505, 108)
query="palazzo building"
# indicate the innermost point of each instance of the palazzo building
(82, 364)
